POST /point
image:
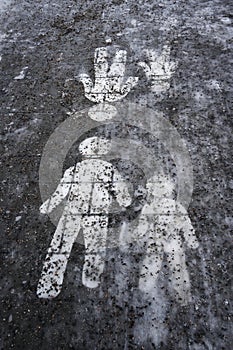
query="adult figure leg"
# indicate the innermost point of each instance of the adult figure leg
(95, 229)
(54, 267)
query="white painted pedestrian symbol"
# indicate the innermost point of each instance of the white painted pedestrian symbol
(87, 188)
(163, 226)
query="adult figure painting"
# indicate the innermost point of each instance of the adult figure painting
(88, 188)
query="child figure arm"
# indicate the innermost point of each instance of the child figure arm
(187, 228)
(120, 188)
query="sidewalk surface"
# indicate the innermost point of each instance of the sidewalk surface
(44, 46)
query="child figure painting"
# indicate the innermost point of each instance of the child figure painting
(165, 229)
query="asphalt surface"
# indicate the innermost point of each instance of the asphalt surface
(44, 46)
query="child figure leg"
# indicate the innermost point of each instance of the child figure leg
(179, 274)
(151, 266)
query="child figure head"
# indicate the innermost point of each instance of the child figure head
(160, 186)
(94, 147)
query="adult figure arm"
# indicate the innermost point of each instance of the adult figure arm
(60, 193)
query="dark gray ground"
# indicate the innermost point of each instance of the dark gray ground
(55, 40)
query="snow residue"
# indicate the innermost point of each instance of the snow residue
(22, 74)
(213, 84)
(4, 4)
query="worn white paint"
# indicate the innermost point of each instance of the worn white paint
(163, 226)
(87, 188)
(160, 69)
(110, 84)
(102, 111)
